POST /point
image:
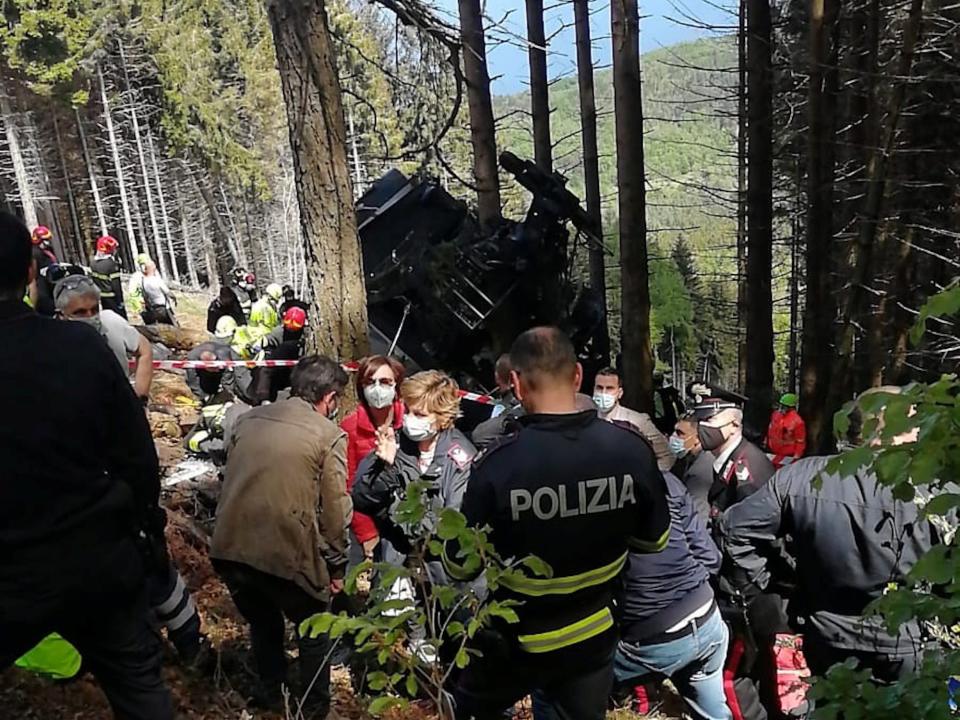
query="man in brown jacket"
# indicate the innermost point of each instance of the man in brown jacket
(280, 541)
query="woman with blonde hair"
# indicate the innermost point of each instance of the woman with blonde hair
(429, 448)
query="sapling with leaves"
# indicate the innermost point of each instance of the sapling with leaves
(923, 471)
(418, 643)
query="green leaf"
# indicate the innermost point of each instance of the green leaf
(412, 685)
(505, 613)
(934, 566)
(462, 659)
(942, 504)
(381, 704)
(378, 680)
(904, 491)
(537, 566)
(316, 625)
(451, 524)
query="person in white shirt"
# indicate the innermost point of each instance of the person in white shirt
(157, 299)
(607, 392)
(77, 298)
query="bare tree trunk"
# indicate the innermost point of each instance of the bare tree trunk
(79, 245)
(118, 167)
(221, 229)
(795, 286)
(759, 387)
(591, 166)
(233, 238)
(820, 309)
(151, 211)
(163, 206)
(311, 90)
(97, 201)
(539, 92)
(19, 166)
(742, 198)
(482, 129)
(187, 245)
(358, 175)
(634, 290)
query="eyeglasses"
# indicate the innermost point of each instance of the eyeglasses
(71, 283)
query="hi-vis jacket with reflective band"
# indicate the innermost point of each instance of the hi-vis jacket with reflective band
(105, 271)
(578, 493)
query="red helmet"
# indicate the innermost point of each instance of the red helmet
(294, 318)
(106, 245)
(41, 234)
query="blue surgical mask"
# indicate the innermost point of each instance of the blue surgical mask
(604, 402)
(677, 446)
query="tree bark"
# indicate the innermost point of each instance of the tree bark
(118, 167)
(312, 94)
(97, 201)
(78, 244)
(168, 236)
(759, 292)
(742, 196)
(819, 309)
(634, 290)
(482, 128)
(19, 166)
(591, 166)
(539, 89)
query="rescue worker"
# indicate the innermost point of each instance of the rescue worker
(44, 257)
(290, 300)
(134, 296)
(246, 288)
(576, 492)
(505, 412)
(238, 380)
(607, 392)
(694, 464)
(223, 398)
(853, 539)
(787, 434)
(740, 468)
(79, 502)
(105, 271)
(158, 301)
(77, 297)
(264, 312)
(280, 539)
(670, 624)
(226, 304)
(430, 448)
(285, 342)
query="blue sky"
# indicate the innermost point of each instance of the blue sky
(664, 22)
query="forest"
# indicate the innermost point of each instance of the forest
(778, 201)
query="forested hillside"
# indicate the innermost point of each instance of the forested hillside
(690, 145)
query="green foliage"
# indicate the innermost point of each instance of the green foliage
(919, 471)
(447, 616)
(45, 39)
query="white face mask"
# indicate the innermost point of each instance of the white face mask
(417, 428)
(604, 402)
(379, 396)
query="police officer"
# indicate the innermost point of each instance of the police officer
(740, 468)
(576, 492)
(505, 412)
(852, 539)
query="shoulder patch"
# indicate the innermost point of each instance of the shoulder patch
(459, 455)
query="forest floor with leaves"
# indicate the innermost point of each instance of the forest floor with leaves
(218, 695)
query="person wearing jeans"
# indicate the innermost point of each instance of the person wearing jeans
(671, 626)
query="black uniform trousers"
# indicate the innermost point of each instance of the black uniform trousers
(574, 683)
(116, 639)
(265, 600)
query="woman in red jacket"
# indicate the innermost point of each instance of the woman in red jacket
(378, 378)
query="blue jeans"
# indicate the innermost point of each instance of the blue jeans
(693, 662)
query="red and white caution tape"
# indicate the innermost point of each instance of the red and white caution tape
(228, 364)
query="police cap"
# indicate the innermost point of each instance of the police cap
(708, 399)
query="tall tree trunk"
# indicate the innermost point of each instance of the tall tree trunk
(482, 129)
(795, 286)
(79, 245)
(168, 236)
(19, 165)
(239, 249)
(187, 245)
(759, 387)
(118, 167)
(151, 211)
(311, 90)
(634, 290)
(97, 201)
(877, 189)
(591, 167)
(222, 231)
(819, 309)
(539, 90)
(742, 197)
